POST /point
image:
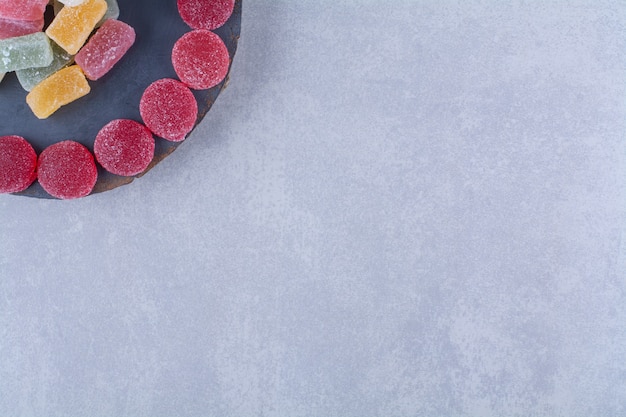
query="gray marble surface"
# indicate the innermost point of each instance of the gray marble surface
(408, 208)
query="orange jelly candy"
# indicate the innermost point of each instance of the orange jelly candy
(59, 89)
(73, 25)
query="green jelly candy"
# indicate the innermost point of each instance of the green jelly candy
(113, 11)
(26, 51)
(30, 77)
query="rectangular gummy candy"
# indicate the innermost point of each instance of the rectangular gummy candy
(105, 48)
(23, 9)
(72, 25)
(59, 89)
(30, 77)
(10, 28)
(113, 10)
(25, 52)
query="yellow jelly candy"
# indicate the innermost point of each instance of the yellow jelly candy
(59, 89)
(72, 25)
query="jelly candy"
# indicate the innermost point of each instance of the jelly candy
(113, 10)
(25, 52)
(105, 48)
(205, 14)
(200, 59)
(71, 3)
(124, 147)
(59, 89)
(67, 170)
(18, 164)
(72, 25)
(30, 77)
(23, 9)
(10, 28)
(169, 109)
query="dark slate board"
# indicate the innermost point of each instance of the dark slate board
(116, 95)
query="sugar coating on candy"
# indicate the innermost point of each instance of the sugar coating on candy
(26, 51)
(67, 170)
(22, 9)
(59, 89)
(113, 10)
(205, 14)
(71, 3)
(10, 28)
(124, 147)
(72, 25)
(18, 164)
(169, 109)
(200, 59)
(105, 48)
(30, 77)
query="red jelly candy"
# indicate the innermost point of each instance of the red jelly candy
(124, 147)
(205, 14)
(105, 48)
(67, 170)
(22, 9)
(10, 28)
(169, 109)
(18, 164)
(200, 59)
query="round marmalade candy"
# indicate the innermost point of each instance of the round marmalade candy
(205, 14)
(169, 109)
(18, 164)
(67, 170)
(147, 61)
(124, 147)
(200, 59)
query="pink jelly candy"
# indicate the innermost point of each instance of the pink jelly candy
(67, 170)
(10, 28)
(205, 14)
(22, 9)
(200, 59)
(169, 109)
(18, 164)
(105, 48)
(124, 147)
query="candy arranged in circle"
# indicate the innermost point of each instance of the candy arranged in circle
(169, 109)
(124, 147)
(205, 14)
(200, 59)
(67, 170)
(18, 164)
(145, 63)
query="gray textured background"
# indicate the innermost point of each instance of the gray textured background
(414, 208)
